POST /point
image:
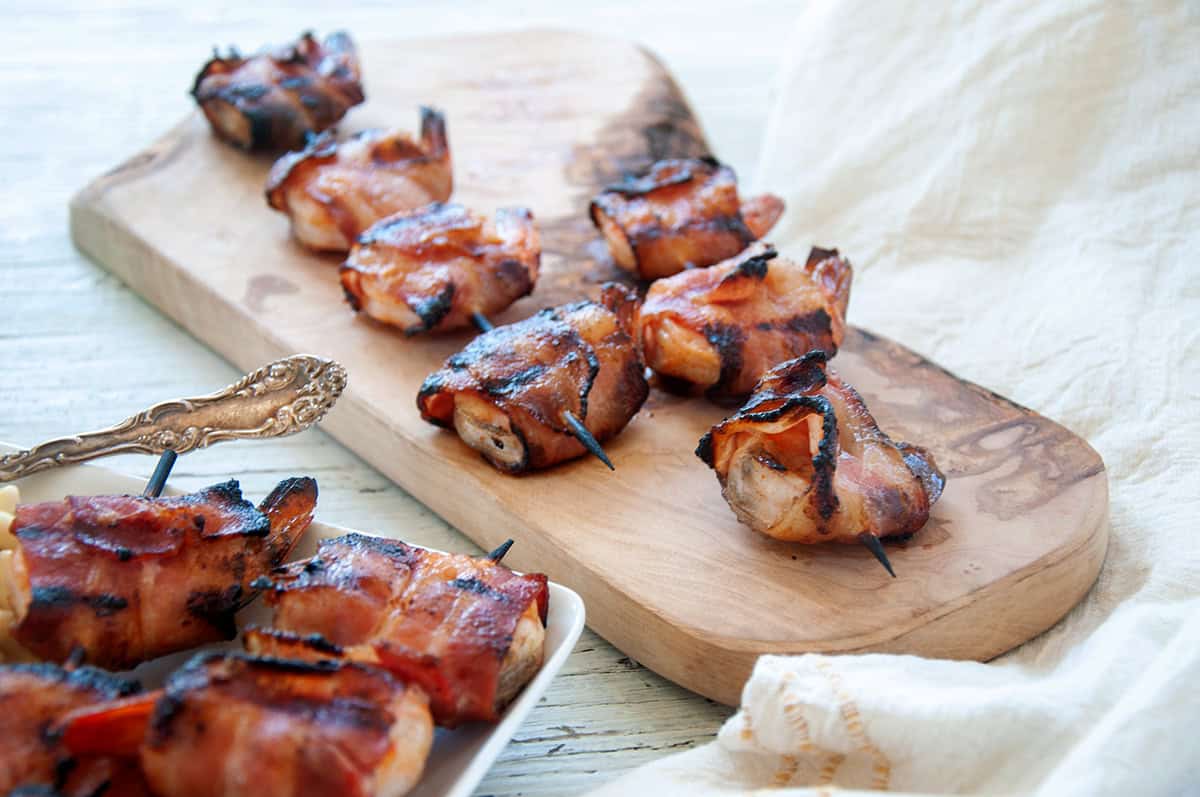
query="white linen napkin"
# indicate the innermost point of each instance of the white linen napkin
(1018, 187)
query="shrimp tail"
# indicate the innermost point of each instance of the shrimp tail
(115, 728)
(289, 508)
(761, 212)
(433, 133)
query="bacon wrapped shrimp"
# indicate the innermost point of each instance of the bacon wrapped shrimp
(333, 191)
(466, 630)
(804, 461)
(436, 268)
(124, 579)
(276, 99)
(682, 214)
(719, 329)
(524, 394)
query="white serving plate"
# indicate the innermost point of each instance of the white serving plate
(460, 758)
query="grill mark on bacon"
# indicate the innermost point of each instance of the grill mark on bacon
(431, 311)
(659, 177)
(479, 588)
(60, 597)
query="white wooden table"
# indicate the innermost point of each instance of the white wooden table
(85, 84)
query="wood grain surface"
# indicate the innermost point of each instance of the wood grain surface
(544, 119)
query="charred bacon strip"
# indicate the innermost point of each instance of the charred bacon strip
(230, 725)
(126, 578)
(34, 697)
(466, 630)
(436, 268)
(682, 214)
(276, 99)
(507, 392)
(720, 329)
(804, 461)
(333, 191)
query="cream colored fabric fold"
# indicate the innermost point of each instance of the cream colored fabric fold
(1018, 186)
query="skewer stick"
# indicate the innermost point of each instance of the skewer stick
(876, 547)
(585, 437)
(501, 549)
(158, 479)
(481, 321)
(76, 658)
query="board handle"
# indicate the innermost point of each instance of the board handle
(281, 398)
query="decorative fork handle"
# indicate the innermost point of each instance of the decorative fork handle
(282, 398)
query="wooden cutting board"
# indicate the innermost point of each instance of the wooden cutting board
(668, 575)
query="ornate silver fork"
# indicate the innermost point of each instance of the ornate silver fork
(282, 398)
